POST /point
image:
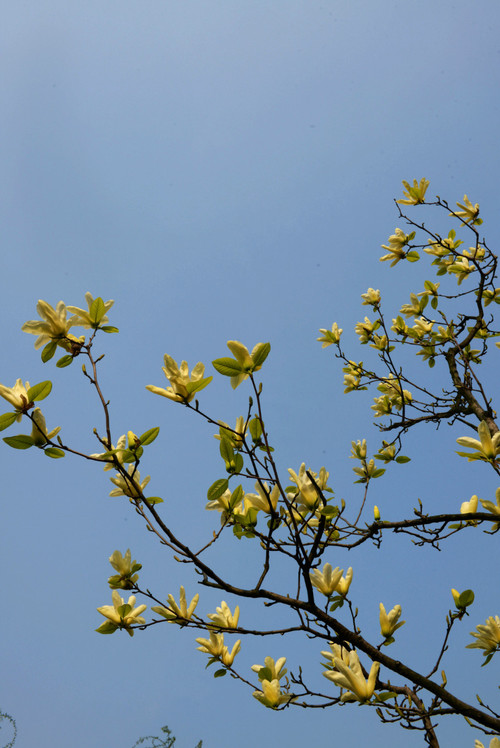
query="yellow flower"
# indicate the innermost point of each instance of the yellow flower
(350, 676)
(345, 582)
(120, 615)
(415, 194)
(224, 618)
(371, 297)
(389, 621)
(131, 488)
(121, 447)
(270, 675)
(245, 359)
(235, 435)
(17, 396)
(82, 317)
(308, 494)
(215, 647)
(336, 651)
(264, 500)
(396, 247)
(184, 386)
(468, 211)
(54, 325)
(487, 446)
(39, 430)
(488, 636)
(494, 743)
(330, 337)
(490, 506)
(326, 581)
(126, 568)
(177, 613)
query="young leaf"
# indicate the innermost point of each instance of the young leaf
(154, 500)
(54, 452)
(49, 351)
(64, 361)
(229, 367)
(21, 441)
(149, 436)
(261, 353)
(220, 673)
(217, 489)
(39, 391)
(7, 420)
(109, 328)
(97, 311)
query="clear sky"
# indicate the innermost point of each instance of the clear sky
(223, 170)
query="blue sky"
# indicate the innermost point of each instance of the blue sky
(223, 170)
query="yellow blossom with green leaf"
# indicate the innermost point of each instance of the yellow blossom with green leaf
(184, 385)
(94, 316)
(350, 676)
(330, 337)
(120, 615)
(487, 446)
(487, 636)
(468, 212)
(414, 194)
(389, 621)
(132, 486)
(54, 325)
(127, 577)
(177, 613)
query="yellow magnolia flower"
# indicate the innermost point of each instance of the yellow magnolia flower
(488, 447)
(82, 317)
(244, 358)
(264, 500)
(326, 581)
(17, 396)
(224, 618)
(467, 212)
(330, 337)
(345, 582)
(389, 621)
(275, 670)
(308, 494)
(371, 297)
(120, 615)
(494, 743)
(54, 325)
(350, 676)
(487, 636)
(177, 613)
(336, 651)
(470, 506)
(126, 578)
(39, 430)
(215, 647)
(184, 386)
(236, 435)
(415, 194)
(271, 694)
(121, 446)
(491, 507)
(396, 247)
(126, 487)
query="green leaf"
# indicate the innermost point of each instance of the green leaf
(64, 361)
(39, 391)
(154, 500)
(238, 463)
(217, 489)
(49, 351)
(149, 436)
(329, 511)
(7, 420)
(261, 353)
(228, 367)
(109, 328)
(466, 598)
(97, 311)
(21, 441)
(200, 384)
(265, 674)
(255, 429)
(412, 256)
(54, 452)
(220, 673)
(385, 695)
(226, 450)
(402, 459)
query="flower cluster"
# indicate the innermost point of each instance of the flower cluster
(270, 675)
